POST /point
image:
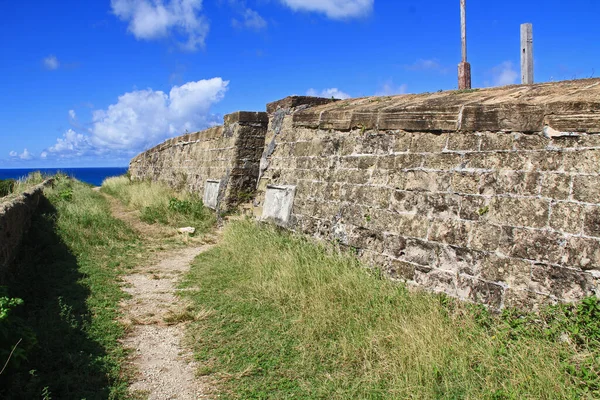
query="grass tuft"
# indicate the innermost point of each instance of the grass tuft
(292, 319)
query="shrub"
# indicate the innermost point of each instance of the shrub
(7, 186)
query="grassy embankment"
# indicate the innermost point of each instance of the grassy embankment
(67, 276)
(16, 186)
(281, 317)
(158, 203)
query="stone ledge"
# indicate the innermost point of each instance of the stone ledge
(297, 101)
(565, 107)
(247, 117)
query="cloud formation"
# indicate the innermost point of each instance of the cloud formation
(335, 9)
(143, 118)
(504, 74)
(426, 65)
(51, 62)
(25, 155)
(328, 93)
(155, 19)
(250, 19)
(390, 89)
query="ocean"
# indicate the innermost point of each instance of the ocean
(93, 176)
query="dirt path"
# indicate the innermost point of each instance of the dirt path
(157, 317)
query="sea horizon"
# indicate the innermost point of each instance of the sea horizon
(92, 175)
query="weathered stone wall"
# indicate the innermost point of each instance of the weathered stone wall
(15, 219)
(229, 154)
(491, 196)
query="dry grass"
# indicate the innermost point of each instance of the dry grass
(295, 319)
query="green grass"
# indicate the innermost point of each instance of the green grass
(67, 275)
(158, 203)
(17, 186)
(285, 318)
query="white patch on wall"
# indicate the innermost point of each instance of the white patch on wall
(279, 201)
(211, 193)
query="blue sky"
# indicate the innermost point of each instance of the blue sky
(92, 83)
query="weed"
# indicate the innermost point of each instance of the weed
(483, 210)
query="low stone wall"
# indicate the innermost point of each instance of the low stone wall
(15, 219)
(227, 155)
(491, 196)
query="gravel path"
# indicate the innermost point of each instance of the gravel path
(156, 317)
(165, 369)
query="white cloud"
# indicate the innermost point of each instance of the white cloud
(328, 93)
(389, 89)
(51, 62)
(250, 19)
(504, 74)
(13, 153)
(336, 9)
(72, 114)
(44, 155)
(426, 65)
(25, 155)
(153, 19)
(143, 118)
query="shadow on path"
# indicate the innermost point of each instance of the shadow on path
(63, 361)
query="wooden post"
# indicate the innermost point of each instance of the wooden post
(527, 54)
(464, 68)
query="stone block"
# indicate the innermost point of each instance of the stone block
(408, 161)
(460, 260)
(480, 291)
(394, 245)
(363, 238)
(401, 270)
(586, 188)
(427, 181)
(436, 280)
(531, 141)
(409, 225)
(530, 212)
(461, 141)
(523, 183)
(591, 223)
(582, 161)
(566, 217)
(402, 141)
(421, 252)
(564, 283)
(485, 237)
(582, 253)
(494, 141)
(474, 208)
(442, 161)
(546, 246)
(211, 193)
(279, 201)
(428, 143)
(466, 182)
(509, 271)
(556, 186)
(450, 231)
(524, 299)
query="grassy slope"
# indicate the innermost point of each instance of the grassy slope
(280, 317)
(67, 274)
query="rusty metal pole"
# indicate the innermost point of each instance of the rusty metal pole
(464, 68)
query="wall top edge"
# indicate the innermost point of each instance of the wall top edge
(568, 106)
(297, 101)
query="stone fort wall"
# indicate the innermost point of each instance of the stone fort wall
(491, 196)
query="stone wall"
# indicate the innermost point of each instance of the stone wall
(491, 196)
(15, 219)
(228, 154)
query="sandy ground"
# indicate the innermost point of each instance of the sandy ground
(156, 319)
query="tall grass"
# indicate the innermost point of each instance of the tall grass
(17, 186)
(282, 317)
(159, 203)
(67, 274)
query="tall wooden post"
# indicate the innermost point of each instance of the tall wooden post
(464, 68)
(526, 54)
